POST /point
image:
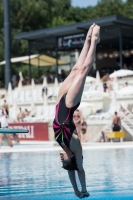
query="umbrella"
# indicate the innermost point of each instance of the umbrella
(90, 79)
(55, 87)
(45, 82)
(115, 84)
(98, 80)
(32, 109)
(20, 85)
(114, 100)
(9, 91)
(128, 90)
(121, 73)
(42, 60)
(32, 84)
(45, 103)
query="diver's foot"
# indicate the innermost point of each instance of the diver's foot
(84, 195)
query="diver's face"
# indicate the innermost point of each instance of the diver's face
(64, 158)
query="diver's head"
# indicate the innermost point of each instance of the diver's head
(68, 161)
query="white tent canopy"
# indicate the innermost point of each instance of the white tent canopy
(9, 91)
(19, 59)
(121, 73)
(98, 80)
(36, 60)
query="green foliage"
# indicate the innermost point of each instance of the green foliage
(29, 15)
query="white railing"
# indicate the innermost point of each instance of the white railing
(127, 121)
(104, 129)
(127, 127)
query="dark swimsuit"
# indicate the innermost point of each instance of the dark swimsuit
(63, 123)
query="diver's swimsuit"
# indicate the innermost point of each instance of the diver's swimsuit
(63, 123)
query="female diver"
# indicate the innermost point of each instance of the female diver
(69, 98)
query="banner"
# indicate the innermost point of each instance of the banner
(72, 41)
(37, 131)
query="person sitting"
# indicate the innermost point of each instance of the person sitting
(20, 115)
(26, 113)
(116, 122)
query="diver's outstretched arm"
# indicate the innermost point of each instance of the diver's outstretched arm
(74, 183)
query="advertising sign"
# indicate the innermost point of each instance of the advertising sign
(72, 41)
(37, 131)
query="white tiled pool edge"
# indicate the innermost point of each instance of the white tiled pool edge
(50, 147)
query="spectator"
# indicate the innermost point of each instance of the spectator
(116, 122)
(123, 110)
(104, 87)
(49, 79)
(63, 75)
(26, 113)
(20, 115)
(125, 66)
(105, 77)
(103, 137)
(126, 84)
(44, 91)
(4, 124)
(5, 106)
(77, 118)
(83, 130)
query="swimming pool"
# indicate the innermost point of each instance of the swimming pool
(38, 175)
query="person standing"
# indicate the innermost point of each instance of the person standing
(20, 115)
(6, 108)
(4, 124)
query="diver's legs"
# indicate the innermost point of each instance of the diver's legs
(74, 93)
(69, 80)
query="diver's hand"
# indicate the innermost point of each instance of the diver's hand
(77, 193)
(84, 195)
(96, 33)
(89, 34)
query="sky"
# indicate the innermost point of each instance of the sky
(84, 3)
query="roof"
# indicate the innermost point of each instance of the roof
(46, 38)
(74, 28)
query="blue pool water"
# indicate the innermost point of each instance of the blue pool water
(38, 175)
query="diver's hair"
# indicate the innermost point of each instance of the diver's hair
(72, 165)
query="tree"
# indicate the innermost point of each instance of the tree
(27, 15)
